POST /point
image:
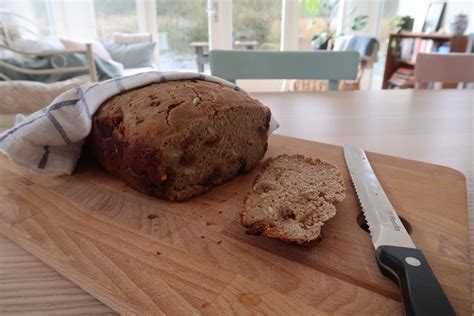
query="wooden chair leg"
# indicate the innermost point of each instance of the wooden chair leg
(91, 61)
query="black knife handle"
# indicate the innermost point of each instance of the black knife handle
(422, 294)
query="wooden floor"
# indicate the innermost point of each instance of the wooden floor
(434, 127)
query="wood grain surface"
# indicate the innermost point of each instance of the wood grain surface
(142, 255)
(429, 126)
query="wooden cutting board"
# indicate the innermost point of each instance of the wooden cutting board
(142, 255)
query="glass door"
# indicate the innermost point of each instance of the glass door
(247, 25)
(185, 30)
(183, 35)
(256, 24)
(115, 16)
(179, 27)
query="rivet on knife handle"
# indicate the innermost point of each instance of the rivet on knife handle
(421, 292)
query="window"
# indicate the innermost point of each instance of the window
(258, 21)
(317, 18)
(32, 19)
(115, 16)
(181, 23)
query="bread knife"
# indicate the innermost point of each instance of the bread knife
(396, 254)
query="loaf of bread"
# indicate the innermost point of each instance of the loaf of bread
(292, 198)
(177, 139)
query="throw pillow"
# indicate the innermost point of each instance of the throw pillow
(97, 47)
(134, 55)
(128, 38)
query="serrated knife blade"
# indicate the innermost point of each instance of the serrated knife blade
(396, 254)
(385, 226)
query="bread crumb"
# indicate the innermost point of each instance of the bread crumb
(152, 216)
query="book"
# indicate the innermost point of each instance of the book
(411, 47)
(401, 84)
(444, 48)
(428, 46)
(419, 44)
(403, 70)
(403, 78)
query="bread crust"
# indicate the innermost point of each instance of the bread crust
(157, 138)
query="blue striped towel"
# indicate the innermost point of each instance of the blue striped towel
(50, 140)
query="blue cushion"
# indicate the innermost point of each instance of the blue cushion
(133, 55)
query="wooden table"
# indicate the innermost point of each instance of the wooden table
(431, 126)
(202, 57)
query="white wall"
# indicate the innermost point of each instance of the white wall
(414, 8)
(418, 9)
(360, 7)
(456, 7)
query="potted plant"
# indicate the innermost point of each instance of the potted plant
(399, 24)
(327, 9)
(402, 23)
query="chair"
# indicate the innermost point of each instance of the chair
(333, 66)
(446, 68)
(12, 23)
(368, 48)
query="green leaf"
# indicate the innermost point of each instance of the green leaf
(319, 40)
(329, 8)
(312, 6)
(360, 22)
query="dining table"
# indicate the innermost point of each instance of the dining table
(434, 126)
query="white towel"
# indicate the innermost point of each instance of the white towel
(50, 140)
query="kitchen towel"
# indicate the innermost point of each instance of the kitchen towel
(50, 140)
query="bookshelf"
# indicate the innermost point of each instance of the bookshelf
(411, 43)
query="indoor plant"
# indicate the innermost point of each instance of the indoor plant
(327, 9)
(399, 24)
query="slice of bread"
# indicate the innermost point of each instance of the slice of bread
(292, 198)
